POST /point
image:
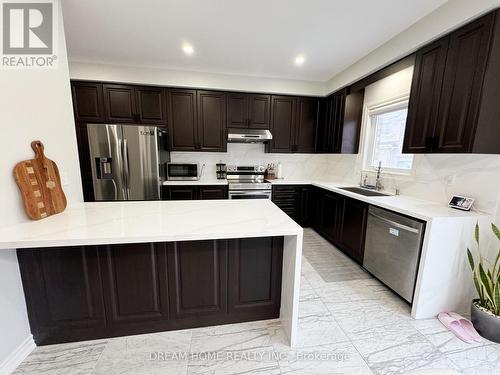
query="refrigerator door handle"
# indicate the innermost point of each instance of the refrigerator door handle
(126, 166)
(123, 187)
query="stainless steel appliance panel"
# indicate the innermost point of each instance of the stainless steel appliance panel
(250, 194)
(106, 159)
(392, 250)
(141, 162)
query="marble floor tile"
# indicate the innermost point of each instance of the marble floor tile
(73, 358)
(349, 323)
(145, 354)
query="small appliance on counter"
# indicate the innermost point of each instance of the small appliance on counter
(183, 171)
(221, 171)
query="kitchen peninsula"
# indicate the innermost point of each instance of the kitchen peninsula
(119, 268)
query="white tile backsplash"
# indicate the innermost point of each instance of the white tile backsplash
(434, 177)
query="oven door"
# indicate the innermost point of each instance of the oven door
(249, 194)
(183, 171)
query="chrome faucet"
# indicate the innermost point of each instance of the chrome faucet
(378, 183)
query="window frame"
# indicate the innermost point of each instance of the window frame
(369, 134)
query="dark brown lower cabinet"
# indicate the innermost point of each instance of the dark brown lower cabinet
(294, 201)
(189, 192)
(255, 277)
(91, 292)
(341, 220)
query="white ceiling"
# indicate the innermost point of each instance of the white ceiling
(244, 37)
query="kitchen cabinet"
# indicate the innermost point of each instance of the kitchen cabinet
(135, 292)
(62, 287)
(134, 104)
(352, 228)
(211, 132)
(191, 192)
(255, 276)
(451, 91)
(339, 127)
(293, 200)
(197, 120)
(340, 219)
(293, 124)
(248, 111)
(197, 278)
(91, 292)
(88, 102)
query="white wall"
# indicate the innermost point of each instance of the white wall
(445, 18)
(35, 104)
(166, 77)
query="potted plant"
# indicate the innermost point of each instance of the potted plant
(485, 311)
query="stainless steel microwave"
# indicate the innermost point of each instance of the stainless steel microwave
(183, 171)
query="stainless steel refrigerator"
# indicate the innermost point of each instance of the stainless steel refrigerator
(128, 161)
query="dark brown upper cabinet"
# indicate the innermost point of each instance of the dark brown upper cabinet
(306, 124)
(425, 93)
(197, 120)
(454, 86)
(339, 126)
(183, 129)
(248, 111)
(88, 102)
(151, 106)
(293, 124)
(211, 121)
(131, 104)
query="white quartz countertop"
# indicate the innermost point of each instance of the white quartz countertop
(198, 182)
(159, 221)
(413, 207)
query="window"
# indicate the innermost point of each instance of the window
(386, 133)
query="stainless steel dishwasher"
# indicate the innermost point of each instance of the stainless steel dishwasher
(392, 249)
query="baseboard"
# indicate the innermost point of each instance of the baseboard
(17, 356)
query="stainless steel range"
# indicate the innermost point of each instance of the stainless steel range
(247, 182)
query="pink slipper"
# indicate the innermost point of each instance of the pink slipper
(454, 326)
(467, 325)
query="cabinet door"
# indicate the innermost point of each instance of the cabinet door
(182, 120)
(259, 111)
(181, 193)
(119, 101)
(307, 119)
(286, 198)
(135, 288)
(424, 97)
(211, 121)
(197, 276)
(151, 105)
(352, 121)
(255, 266)
(303, 211)
(337, 121)
(237, 111)
(88, 102)
(213, 192)
(352, 228)
(282, 123)
(324, 142)
(330, 205)
(463, 79)
(63, 293)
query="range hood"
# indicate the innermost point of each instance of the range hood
(248, 135)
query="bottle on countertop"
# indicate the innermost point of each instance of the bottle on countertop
(279, 171)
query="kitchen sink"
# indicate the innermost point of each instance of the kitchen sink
(366, 192)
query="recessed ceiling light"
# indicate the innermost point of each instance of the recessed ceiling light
(187, 48)
(300, 59)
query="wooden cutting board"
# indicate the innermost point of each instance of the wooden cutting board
(40, 185)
